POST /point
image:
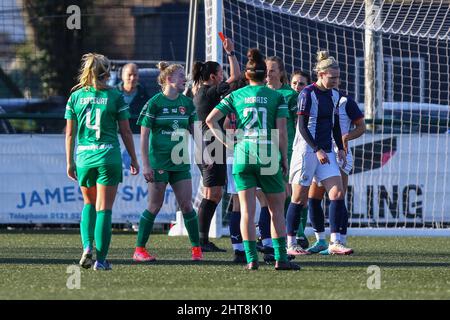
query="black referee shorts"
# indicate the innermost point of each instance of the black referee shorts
(215, 176)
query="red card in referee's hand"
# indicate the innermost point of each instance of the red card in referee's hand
(222, 36)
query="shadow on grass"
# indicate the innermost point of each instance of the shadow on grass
(176, 262)
(409, 264)
(47, 261)
(74, 230)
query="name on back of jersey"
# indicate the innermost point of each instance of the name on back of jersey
(93, 100)
(256, 100)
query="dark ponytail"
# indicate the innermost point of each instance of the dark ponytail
(256, 66)
(201, 71)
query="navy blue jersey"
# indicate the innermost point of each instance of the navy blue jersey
(321, 107)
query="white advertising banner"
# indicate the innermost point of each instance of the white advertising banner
(34, 187)
(396, 179)
(400, 180)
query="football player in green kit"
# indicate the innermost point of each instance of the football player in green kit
(93, 113)
(164, 120)
(258, 111)
(277, 79)
(299, 80)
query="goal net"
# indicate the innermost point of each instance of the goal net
(394, 57)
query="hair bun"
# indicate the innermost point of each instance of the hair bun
(162, 65)
(254, 55)
(322, 55)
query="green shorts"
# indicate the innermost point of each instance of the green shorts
(171, 176)
(252, 177)
(107, 175)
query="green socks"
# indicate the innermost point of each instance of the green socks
(87, 226)
(279, 247)
(303, 222)
(103, 234)
(250, 251)
(191, 223)
(145, 228)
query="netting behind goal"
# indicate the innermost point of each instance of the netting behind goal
(401, 170)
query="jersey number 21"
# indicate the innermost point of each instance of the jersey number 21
(251, 128)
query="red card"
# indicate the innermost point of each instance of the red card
(222, 37)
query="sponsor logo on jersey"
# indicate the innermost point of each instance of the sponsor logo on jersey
(175, 125)
(174, 110)
(182, 110)
(165, 111)
(160, 171)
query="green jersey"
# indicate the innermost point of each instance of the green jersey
(167, 118)
(290, 97)
(256, 109)
(97, 113)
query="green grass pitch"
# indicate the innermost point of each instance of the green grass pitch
(34, 265)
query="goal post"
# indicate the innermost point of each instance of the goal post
(213, 25)
(401, 174)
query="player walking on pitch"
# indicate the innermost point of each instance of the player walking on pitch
(93, 112)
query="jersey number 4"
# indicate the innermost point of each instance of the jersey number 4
(96, 125)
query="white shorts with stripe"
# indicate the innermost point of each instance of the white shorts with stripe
(305, 166)
(348, 164)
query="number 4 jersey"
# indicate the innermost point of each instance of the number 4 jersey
(97, 113)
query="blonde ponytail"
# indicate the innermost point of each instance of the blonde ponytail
(94, 72)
